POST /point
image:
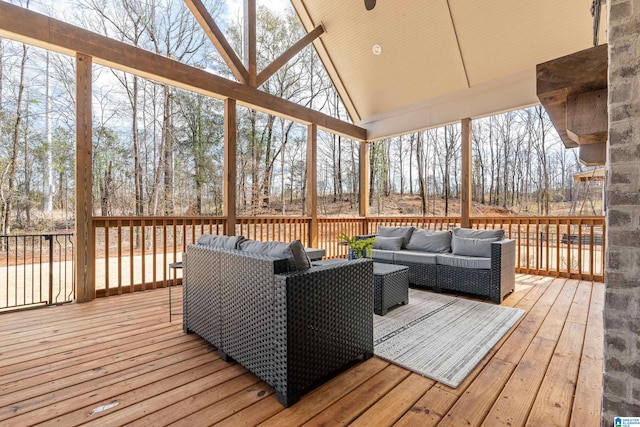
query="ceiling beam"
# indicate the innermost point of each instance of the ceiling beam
(29, 27)
(288, 54)
(455, 31)
(577, 73)
(250, 36)
(218, 39)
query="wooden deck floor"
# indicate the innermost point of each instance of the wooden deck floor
(118, 361)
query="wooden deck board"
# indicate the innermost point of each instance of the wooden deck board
(118, 361)
(587, 404)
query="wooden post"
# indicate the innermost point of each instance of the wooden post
(364, 183)
(465, 196)
(250, 41)
(84, 265)
(230, 169)
(312, 183)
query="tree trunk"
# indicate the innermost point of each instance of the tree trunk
(167, 154)
(421, 178)
(105, 185)
(7, 198)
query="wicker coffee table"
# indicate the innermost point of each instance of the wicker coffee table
(390, 286)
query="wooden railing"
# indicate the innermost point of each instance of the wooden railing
(275, 228)
(552, 246)
(555, 246)
(134, 253)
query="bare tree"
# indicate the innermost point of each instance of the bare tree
(421, 163)
(7, 196)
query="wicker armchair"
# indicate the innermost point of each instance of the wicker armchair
(291, 329)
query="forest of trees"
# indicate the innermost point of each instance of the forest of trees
(158, 150)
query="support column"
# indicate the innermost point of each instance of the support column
(465, 195)
(84, 265)
(230, 167)
(312, 183)
(621, 387)
(364, 183)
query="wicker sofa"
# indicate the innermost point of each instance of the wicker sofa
(292, 329)
(480, 262)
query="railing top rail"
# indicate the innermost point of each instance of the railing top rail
(273, 217)
(54, 233)
(157, 217)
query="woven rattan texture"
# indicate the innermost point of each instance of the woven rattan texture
(495, 283)
(423, 275)
(290, 329)
(203, 295)
(390, 287)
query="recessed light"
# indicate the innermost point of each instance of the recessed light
(377, 49)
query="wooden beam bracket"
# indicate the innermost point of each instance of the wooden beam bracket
(286, 56)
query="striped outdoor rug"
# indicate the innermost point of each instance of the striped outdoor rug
(439, 336)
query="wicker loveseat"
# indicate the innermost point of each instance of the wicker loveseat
(292, 329)
(480, 262)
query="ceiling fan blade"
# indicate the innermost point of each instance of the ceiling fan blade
(369, 4)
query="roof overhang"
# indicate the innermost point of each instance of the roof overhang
(441, 60)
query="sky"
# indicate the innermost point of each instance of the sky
(235, 7)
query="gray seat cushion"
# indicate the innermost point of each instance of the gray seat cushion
(388, 243)
(404, 232)
(383, 255)
(415, 257)
(430, 241)
(469, 233)
(478, 263)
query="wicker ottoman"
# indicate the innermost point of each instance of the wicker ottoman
(390, 286)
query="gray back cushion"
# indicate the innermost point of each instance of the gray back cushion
(293, 252)
(388, 243)
(404, 232)
(300, 257)
(472, 247)
(222, 242)
(469, 233)
(430, 241)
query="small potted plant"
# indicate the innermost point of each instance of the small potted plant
(358, 248)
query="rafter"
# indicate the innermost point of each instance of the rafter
(218, 39)
(29, 27)
(288, 54)
(250, 35)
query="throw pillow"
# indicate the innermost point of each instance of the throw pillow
(388, 243)
(430, 241)
(472, 247)
(404, 232)
(469, 233)
(300, 258)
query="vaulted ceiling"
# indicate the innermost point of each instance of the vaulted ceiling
(441, 60)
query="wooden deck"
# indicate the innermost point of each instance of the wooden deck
(118, 361)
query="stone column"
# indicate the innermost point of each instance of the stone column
(621, 394)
